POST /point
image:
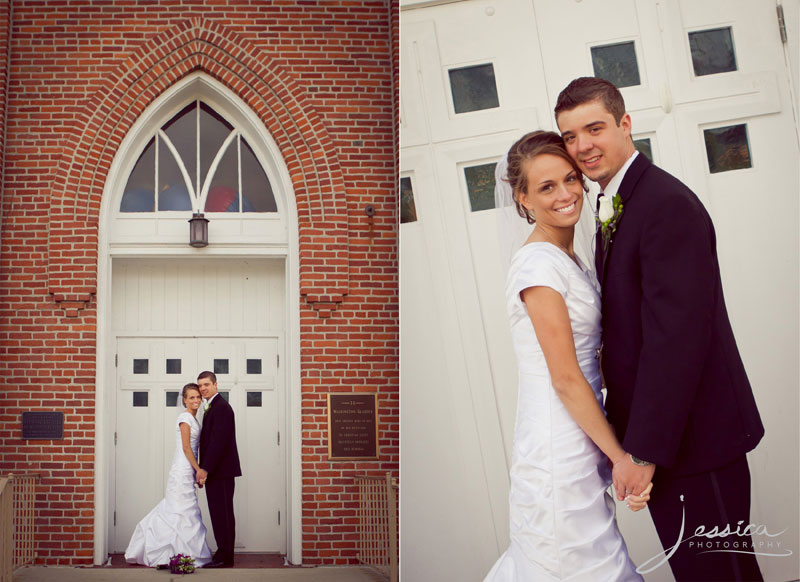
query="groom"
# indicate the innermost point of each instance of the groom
(678, 395)
(219, 464)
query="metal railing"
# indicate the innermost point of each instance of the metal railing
(377, 524)
(17, 497)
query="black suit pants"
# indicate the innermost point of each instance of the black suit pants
(219, 493)
(717, 498)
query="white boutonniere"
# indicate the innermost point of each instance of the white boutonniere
(207, 406)
(608, 213)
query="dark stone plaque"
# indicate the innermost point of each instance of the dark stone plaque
(42, 425)
(352, 426)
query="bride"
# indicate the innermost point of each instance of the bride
(562, 518)
(175, 526)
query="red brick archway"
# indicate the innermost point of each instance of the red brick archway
(307, 150)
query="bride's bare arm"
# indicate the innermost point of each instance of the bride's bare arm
(186, 432)
(550, 318)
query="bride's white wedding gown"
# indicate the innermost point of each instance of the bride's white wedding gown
(562, 518)
(174, 526)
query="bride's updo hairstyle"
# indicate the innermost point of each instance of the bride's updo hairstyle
(529, 146)
(186, 389)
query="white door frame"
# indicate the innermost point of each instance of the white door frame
(267, 150)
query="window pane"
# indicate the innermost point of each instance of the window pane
(182, 132)
(213, 131)
(172, 192)
(644, 147)
(140, 398)
(408, 210)
(617, 64)
(221, 366)
(223, 195)
(172, 399)
(173, 366)
(254, 366)
(141, 366)
(139, 195)
(473, 88)
(226, 396)
(712, 51)
(256, 190)
(480, 186)
(727, 148)
(254, 399)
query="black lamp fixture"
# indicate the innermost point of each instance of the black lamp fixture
(198, 230)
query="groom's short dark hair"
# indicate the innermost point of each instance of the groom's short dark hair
(207, 374)
(587, 89)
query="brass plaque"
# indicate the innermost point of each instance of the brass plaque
(352, 426)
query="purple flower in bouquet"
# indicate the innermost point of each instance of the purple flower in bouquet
(180, 564)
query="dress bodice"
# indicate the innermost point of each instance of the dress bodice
(543, 264)
(180, 459)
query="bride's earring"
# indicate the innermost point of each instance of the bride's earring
(528, 211)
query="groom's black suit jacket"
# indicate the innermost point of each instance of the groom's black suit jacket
(678, 394)
(218, 453)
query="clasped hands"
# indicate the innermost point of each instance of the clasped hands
(200, 477)
(632, 482)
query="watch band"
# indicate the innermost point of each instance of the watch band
(640, 462)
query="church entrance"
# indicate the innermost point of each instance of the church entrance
(172, 321)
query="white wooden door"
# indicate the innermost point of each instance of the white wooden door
(457, 368)
(150, 374)
(247, 376)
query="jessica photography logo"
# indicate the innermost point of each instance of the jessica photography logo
(761, 542)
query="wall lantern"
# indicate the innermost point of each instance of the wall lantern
(198, 230)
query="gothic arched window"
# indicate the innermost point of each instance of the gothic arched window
(198, 161)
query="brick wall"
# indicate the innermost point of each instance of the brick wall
(322, 77)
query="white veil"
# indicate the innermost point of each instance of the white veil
(513, 230)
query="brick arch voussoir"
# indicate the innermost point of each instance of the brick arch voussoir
(276, 98)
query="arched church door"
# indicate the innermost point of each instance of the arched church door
(176, 311)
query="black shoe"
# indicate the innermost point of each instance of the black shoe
(218, 564)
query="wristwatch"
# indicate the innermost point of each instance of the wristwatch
(640, 462)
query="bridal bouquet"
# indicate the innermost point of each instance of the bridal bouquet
(180, 564)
